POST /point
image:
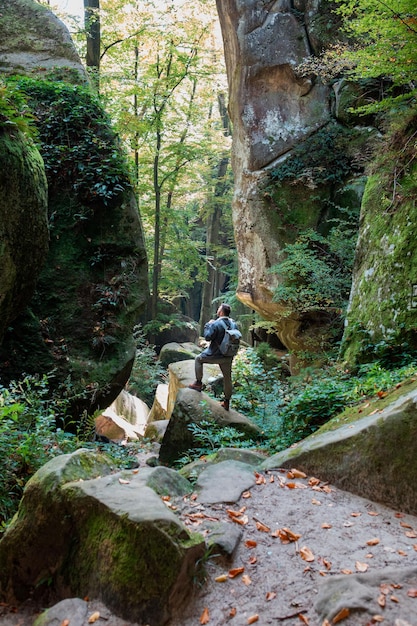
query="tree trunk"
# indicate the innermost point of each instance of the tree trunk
(92, 30)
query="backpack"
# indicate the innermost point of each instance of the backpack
(230, 343)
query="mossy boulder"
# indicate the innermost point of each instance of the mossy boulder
(94, 285)
(24, 236)
(193, 407)
(381, 319)
(83, 531)
(373, 456)
(174, 351)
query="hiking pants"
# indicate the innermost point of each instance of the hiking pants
(225, 364)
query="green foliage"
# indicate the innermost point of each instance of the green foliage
(76, 141)
(315, 272)
(30, 436)
(14, 112)
(322, 158)
(383, 36)
(147, 372)
(395, 352)
(209, 437)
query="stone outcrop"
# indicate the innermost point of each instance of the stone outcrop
(93, 285)
(24, 236)
(380, 321)
(273, 110)
(194, 407)
(81, 531)
(373, 456)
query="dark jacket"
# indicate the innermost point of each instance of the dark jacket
(214, 332)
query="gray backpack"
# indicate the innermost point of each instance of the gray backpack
(230, 343)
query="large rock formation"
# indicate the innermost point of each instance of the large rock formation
(83, 531)
(381, 318)
(93, 285)
(23, 220)
(273, 110)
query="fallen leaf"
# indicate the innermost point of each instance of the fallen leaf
(246, 494)
(355, 514)
(232, 513)
(411, 534)
(326, 623)
(260, 479)
(205, 616)
(402, 553)
(373, 542)
(222, 578)
(271, 595)
(373, 513)
(327, 564)
(347, 524)
(343, 614)
(298, 473)
(296, 486)
(398, 514)
(253, 618)
(313, 482)
(382, 600)
(306, 554)
(361, 567)
(377, 618)
(246, 579)
(262, 527)
(232, 612)
(65, 622)
(327, 489)
(166, 498)
(382, 394)
(249, 543)
(405, 525)
(94, 617)
(135, 471)
(271, 479)
(326, 525)
(122, 481)
(236, 571)
(412, 593)
(303, 618)
(286, 535)
(415, 546)
(346, 571)
(394, 599)
(314, 501)
(253, 559)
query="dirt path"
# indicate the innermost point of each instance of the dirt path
(339, 533)
(336, 534)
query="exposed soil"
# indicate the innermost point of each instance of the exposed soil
(339, 533)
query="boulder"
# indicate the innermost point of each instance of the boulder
(193, 407)
(93, 285)
(160, 403)
(173, 352)
(125, 418)
(374, 456)
(24, 236)
(110, 537)
(182, 374)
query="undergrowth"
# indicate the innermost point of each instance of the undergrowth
(286, 409)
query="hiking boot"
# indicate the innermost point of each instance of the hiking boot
(197, 385)
(225, 404)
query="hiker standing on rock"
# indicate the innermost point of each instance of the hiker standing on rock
(223, 347)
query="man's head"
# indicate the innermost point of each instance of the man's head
(223, 310)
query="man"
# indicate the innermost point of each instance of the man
(214, 332)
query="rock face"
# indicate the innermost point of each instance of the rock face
(381, 318)
(193, 407)
(374, 457)
(93, 285)
(273, 110)
(23, 222)
(110, 537)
